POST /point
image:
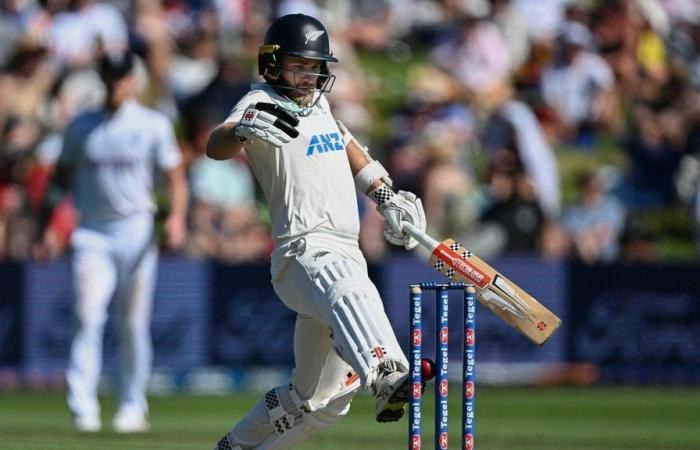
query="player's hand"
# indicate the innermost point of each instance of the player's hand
(404, 206)
(267, 122)
(175, 230)
(47, 247)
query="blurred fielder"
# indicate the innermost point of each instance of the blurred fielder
(109, 158)
(308, 172)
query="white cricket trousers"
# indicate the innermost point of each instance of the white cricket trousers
(112, 261)
(324, 381)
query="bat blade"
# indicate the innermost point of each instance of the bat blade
(499, 294)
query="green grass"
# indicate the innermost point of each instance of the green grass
(507, 419)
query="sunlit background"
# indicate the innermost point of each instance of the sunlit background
(559, 140)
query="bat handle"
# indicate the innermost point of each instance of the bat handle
(421, 236)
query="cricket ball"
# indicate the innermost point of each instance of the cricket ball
(427, 368)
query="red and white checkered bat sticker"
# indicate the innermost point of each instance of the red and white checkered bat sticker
(461, 265)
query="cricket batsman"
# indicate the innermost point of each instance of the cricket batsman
(300, 155)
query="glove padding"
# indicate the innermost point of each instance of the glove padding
(402, 207)
(268, 122)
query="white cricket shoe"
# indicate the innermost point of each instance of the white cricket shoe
(87, 423)
(130, 421)
(391, 393)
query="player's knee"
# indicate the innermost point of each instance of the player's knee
(335, 410)
(91, 327)
(288, 409)
(341, 277)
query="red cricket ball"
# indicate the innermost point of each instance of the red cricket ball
(427, 368)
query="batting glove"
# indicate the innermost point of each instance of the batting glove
(267, 122)
(402, 207)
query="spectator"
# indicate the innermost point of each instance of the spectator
(578, 87)
(585, 73)
(225, 223)
(87, 26)
(449, 194)
(477, 55)
(514, 209)
(544, 18)
(594, 225)
(512, 127)
(654, 160)
(514, 28)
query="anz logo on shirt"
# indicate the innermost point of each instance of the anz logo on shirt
(325, 142)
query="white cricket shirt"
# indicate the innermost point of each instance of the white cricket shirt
(115, 157)
(307, 182)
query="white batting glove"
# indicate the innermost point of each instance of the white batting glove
(402, 207)
(267, 122)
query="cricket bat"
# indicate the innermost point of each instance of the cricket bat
(503, 297)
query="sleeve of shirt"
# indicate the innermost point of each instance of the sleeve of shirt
(70, 145)
(243, 104)
(601, 72)
(168, 154)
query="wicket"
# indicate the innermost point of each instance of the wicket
(441, 363)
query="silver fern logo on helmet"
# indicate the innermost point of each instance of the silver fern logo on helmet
(313, 35)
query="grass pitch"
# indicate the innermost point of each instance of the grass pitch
(507, 419)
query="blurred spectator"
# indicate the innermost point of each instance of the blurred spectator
(83, 29)
(595, 223)
(578, 87)
(370, 26)
(152, 38)
(225, 222)
(449, 194)
(637, 242)
(308, 7)
(618, 77)
(23, 87)
(350, 94)
(477, 55)
(514, 208)
(512, 129)
(544, 17)
(13, 16)
(654, 159)
(195, 66)
(688, 175)
(513, 25)
(210, 105)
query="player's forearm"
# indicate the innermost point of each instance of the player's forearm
(56, 190)
(222, 142)
(178, 192)
(359, 159)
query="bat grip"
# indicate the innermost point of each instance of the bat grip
(421, 236)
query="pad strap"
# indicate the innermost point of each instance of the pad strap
(296, 399)
(280, 419)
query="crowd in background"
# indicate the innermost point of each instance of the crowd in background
(492, 109)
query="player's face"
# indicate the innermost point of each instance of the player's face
(301, 74)
(121, 90)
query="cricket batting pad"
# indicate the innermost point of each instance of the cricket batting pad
(361, 330)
